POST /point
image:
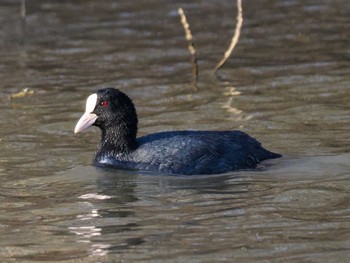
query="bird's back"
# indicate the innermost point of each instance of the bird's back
(198, 152)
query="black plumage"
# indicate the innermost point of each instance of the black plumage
(174, 152)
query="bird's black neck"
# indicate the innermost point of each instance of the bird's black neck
(116, 141)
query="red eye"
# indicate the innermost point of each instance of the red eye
(104, 103)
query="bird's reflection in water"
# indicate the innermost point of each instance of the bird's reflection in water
(106, 224)
(119, 207)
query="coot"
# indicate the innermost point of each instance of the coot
(172, 152)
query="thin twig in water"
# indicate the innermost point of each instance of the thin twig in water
(189, 38)
(235, 37)
(23, 9)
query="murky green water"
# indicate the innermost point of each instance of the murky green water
(287, 84)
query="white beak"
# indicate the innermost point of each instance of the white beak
(88, 117)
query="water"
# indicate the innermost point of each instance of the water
(287, 84)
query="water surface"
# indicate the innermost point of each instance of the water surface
(287, 84)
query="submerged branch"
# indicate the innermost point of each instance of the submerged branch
(189, 38)
(235, 37)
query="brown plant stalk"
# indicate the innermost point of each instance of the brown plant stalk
(235, 37)
(189, 38)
